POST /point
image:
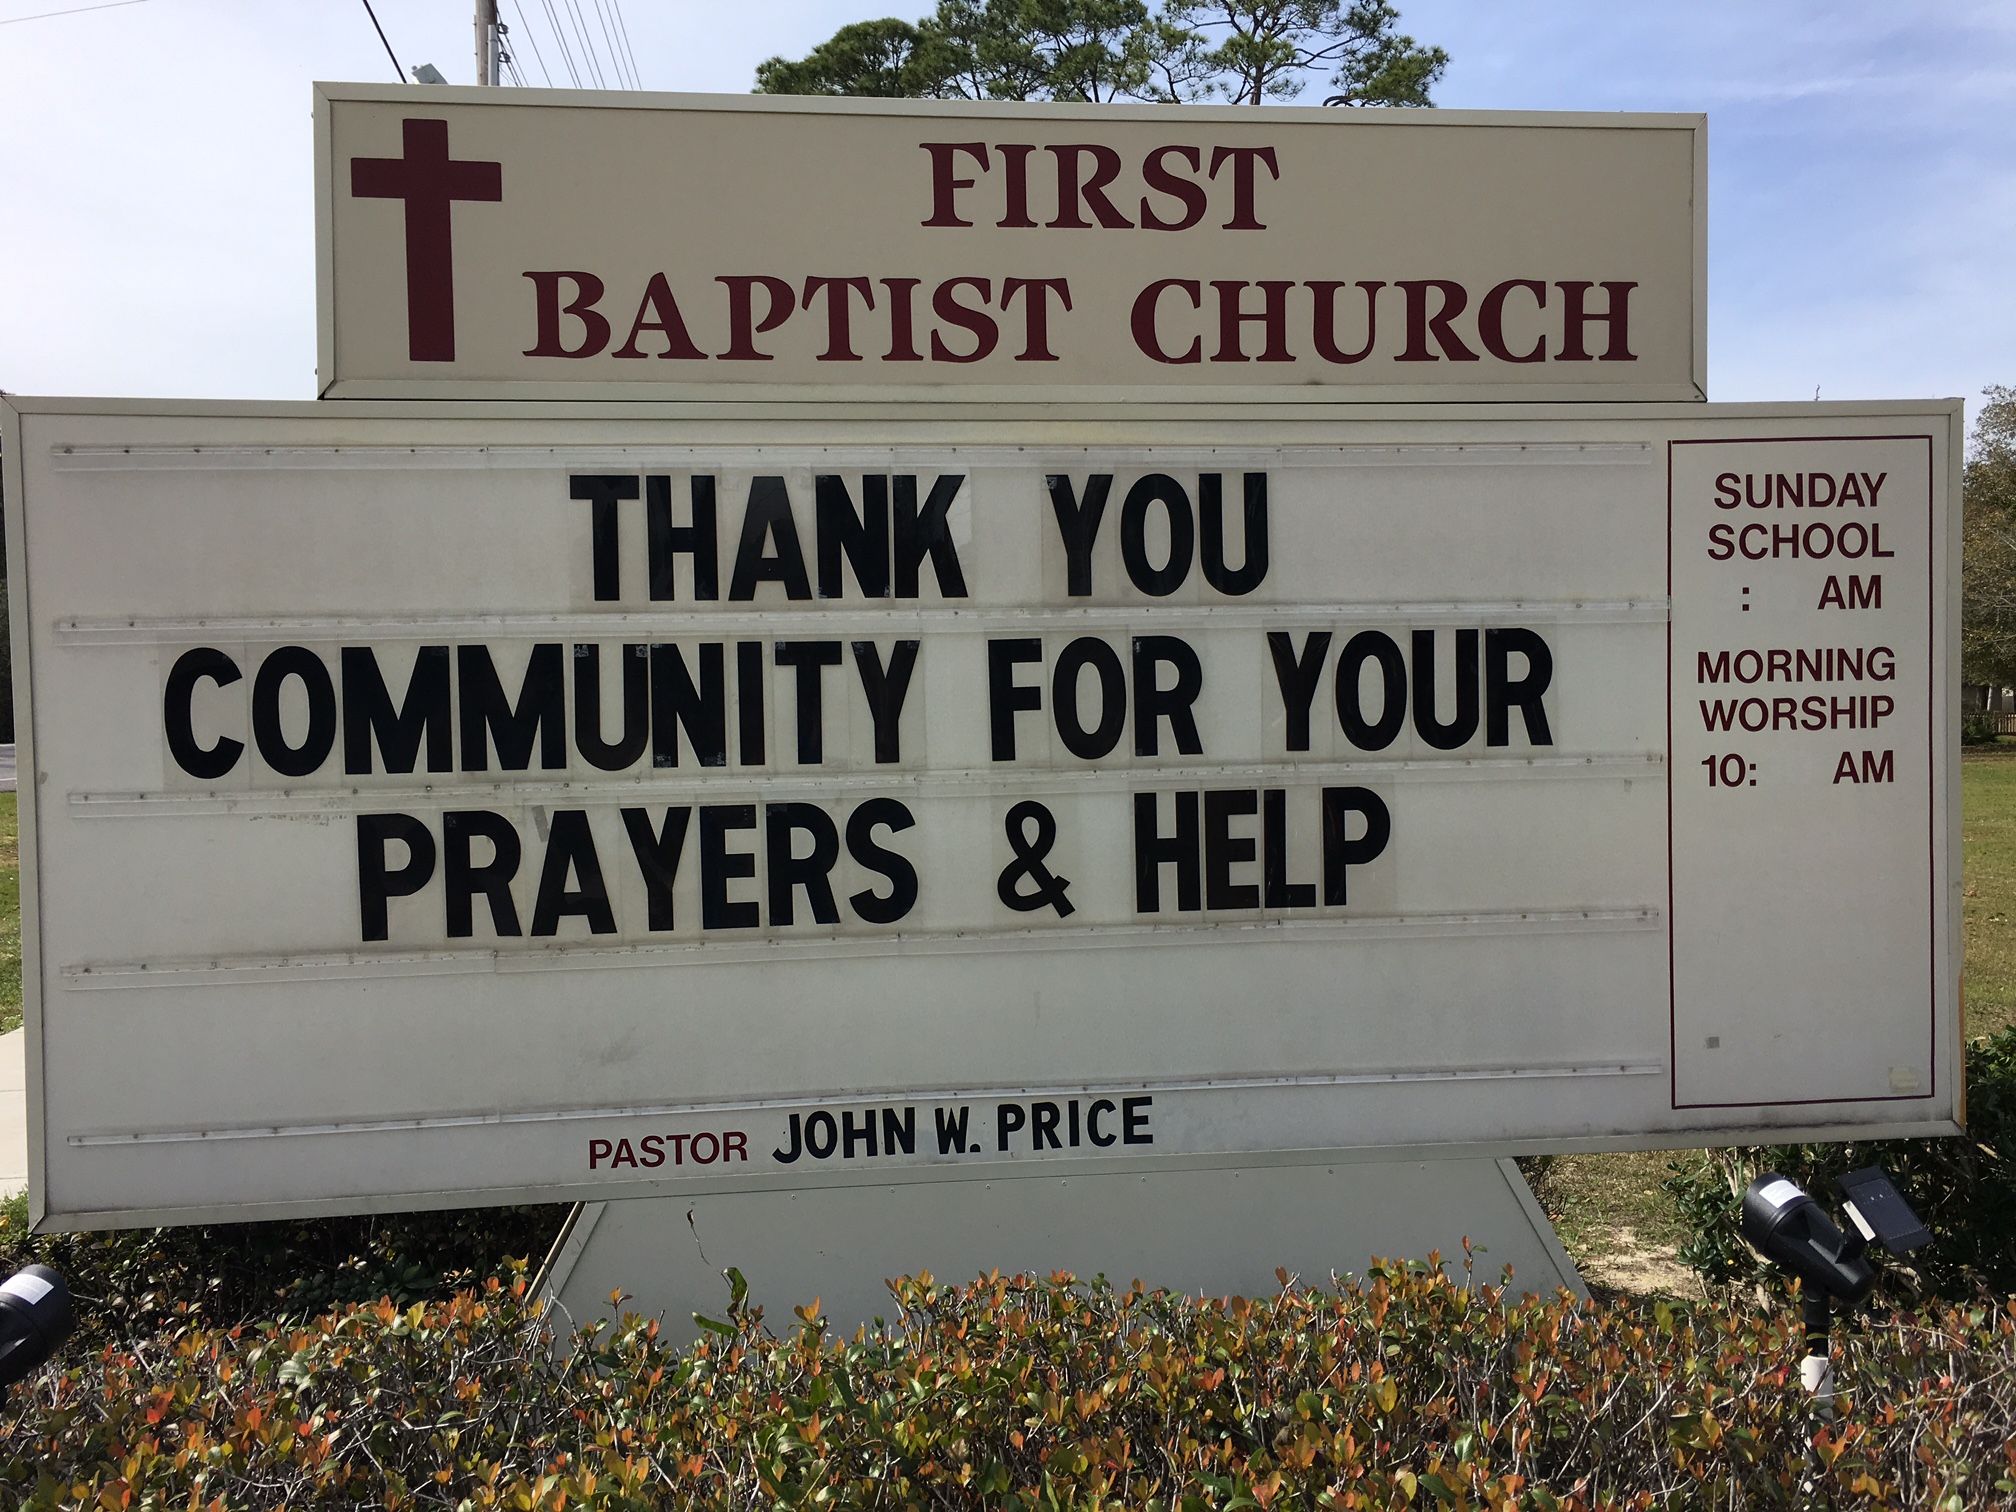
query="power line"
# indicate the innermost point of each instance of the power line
(587, 45)
(507, 64)
(532, 37)
(396, 69)
(560, 41)
(593, 63)
(615, 49)
(615, 62)
(75, 10)
(574, 73)
(623, 27)
(593, 54)
(623, 41)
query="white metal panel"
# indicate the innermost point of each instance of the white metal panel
(1827, 615)
(676, 245)
(213, 1032)
(1211, 1230)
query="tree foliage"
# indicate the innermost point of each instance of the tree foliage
(869, 58)
(1988, 562)
(1245, 51)
(1265, 48)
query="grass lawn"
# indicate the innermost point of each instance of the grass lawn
(1988, 913)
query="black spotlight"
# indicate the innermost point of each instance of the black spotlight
(35, 1317)
(1790, 1228)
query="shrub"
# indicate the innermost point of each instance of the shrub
(1963, 1188)
(129, 1283)
(1978, 729)
(1405, 1388)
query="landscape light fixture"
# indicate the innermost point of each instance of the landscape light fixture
(35, 1317)
(1791, 1229)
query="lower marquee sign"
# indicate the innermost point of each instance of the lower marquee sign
(542, 804)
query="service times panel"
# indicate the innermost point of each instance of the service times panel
(1805, 744)
(505, 806)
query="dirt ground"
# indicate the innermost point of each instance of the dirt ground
(1614, 1220)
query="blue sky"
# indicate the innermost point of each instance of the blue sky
(158, 229)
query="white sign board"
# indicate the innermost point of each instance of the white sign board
(557, 804)
(539, 243)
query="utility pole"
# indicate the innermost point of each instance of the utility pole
(486, 42)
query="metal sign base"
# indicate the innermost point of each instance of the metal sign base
(1210, 1231)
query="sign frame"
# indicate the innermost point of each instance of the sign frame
(1113, 424)
(331, 384)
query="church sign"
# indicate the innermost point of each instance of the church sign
(527, 245)
(1008, 713)
(543, 801)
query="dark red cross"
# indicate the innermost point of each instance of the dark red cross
(429, 181)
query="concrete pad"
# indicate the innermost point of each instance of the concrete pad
(13, 1113)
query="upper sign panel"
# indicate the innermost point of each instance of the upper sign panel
(527, 243)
